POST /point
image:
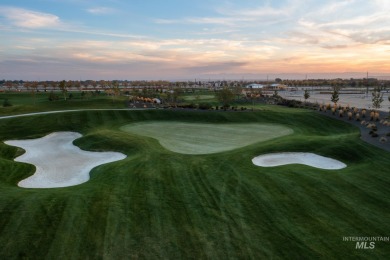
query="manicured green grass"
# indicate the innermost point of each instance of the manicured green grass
(192, 138)
(195, 97)
(160, 204)
(26, 103)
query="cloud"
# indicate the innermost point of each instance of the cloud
(237, 17)
(165, 21)
(331, 47)
(29, 19)
(334, 7)
(101, 10)
(381, 37)
(346, 23)
(309, 36)
(215, 67)
(21, 47)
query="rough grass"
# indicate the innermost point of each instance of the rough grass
(193, 138)
(158, 204)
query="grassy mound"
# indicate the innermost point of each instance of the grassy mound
(159, 204)
(192, 138)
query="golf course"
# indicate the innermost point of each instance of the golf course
(186, 186)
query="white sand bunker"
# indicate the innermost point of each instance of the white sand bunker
(310, 159)
(58, 162)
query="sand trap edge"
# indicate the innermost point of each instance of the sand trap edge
(40, 151)
(309, 159)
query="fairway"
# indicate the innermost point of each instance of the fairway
(199, 97)
(199, 130)
(192, 138)
(174, 205)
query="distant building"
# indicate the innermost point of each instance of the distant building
(255, 86)
(278, 86)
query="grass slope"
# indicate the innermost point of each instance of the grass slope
(192, 138)
(26, 103)
(159, 204)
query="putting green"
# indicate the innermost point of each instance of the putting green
(195, 138)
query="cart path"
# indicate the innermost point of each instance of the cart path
(66, 111)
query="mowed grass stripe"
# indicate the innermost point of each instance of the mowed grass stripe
(162, 204)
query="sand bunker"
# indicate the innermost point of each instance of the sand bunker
(310, 159)
(58, 162)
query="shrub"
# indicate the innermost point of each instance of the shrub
(205, 106)
(376, 116)
(341, 112)
(372, 114)
(364, 113)
(349, 115)
(53, 96)
(6, 103)
(192, 105)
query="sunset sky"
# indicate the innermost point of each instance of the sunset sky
(175, 39)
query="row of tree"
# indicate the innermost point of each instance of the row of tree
(364, 82)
